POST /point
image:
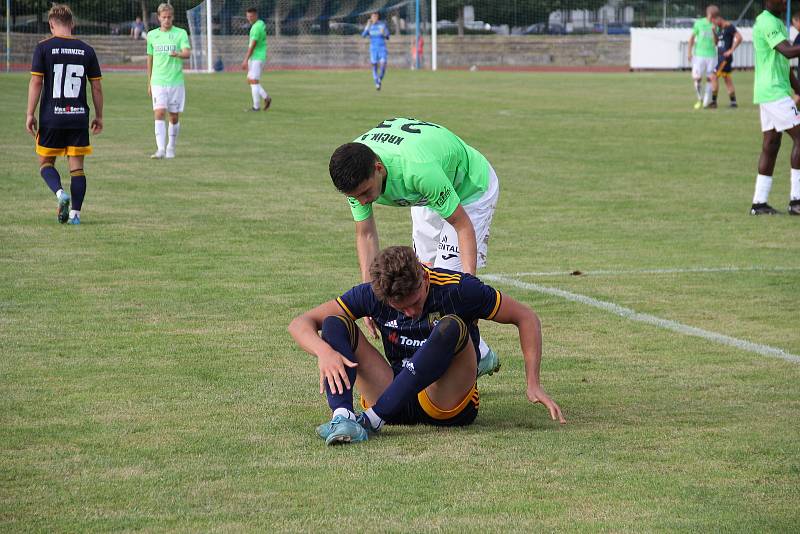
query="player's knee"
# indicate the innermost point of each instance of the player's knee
(451, 330)
(336, 326)
(772, 144)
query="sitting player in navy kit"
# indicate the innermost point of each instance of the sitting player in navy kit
(60, 69)
(428, 319)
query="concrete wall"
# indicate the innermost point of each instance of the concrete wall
(340, 51)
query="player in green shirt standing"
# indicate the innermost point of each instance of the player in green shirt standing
(774, 86)
(254, 60)
(451, 188)
(167, 47)
(703, 55)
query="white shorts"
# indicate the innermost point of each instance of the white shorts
(779, 115)
(254, 67)
(702, 67)
(170, 98)
(436, 241)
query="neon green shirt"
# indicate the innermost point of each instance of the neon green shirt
(258, 33)
(771, 80)
(704, 45)
(167, 70)
(426, 164)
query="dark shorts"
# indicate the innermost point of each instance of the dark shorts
(421, 411)
(724, 65)
(63, 142)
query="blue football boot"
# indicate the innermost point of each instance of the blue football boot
(344, 430)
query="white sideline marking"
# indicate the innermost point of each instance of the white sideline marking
(627, 313)
(665, 271)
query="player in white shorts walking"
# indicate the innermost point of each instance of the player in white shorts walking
(254, 60)
(773, 89)
(167, 47)
(703, 56)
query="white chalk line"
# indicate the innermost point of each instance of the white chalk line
(627, 313)
(688, 270)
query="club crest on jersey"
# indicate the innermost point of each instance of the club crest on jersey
(433, 318)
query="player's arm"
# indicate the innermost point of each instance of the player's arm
(789, 51)
(249, 54)
(530, 340)
(467, 242)
(97, 100)
(305, 330)
(34, 92)
(691, 46)
(183, 54)
(737, 40)
(149, 73)
(366, 245)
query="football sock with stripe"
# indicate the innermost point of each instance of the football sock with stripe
(77, 188)
(428, 364)
(714, 95)
(51, 177)
(733, 97)
(341, 333)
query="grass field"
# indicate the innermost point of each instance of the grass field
(147, 381)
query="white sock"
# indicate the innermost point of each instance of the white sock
(374, 420)
(795, 190)
(74, 213)
(59, 193)
(256, 96)
(262, 92)
(344, 412)
(763, 186)
(174, 130)
(483, 347)
(707, 97)
(161, 135)
(697, 86)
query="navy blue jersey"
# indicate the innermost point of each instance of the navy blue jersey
(65, 64)
(725, 38)
(451, 293)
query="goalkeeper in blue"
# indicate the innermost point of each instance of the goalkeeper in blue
(378, 33)
(428, 318)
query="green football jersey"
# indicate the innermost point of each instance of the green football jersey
(258, 33)
(427, 165)
(704, 45)
(771, 80)
(167, 70)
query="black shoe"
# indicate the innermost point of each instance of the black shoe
(794, 207)
(763, 209)
(712, 105)
(734, 105)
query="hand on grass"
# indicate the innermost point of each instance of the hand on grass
(537, 394)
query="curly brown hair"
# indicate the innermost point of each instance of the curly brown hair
(396, 273)
(62, 14)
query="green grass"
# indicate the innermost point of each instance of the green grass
(147, 381)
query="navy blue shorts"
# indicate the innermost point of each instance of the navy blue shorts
(724, 65)
(63, 142)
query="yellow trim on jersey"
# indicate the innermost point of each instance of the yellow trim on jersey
(37, 73)
(438, 283)
(440, 415)
(345, 308)
(496, 305)
(443, 278)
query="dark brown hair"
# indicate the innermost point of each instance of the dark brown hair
(396, 273)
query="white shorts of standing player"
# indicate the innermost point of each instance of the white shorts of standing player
(436, 241)
(170, 98)
(779, 115)
(254, 68)
(703, 68)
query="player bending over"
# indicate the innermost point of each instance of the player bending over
(60, 69)
(774, 86)
(254, 60)
(702, 56)
(429, 325)
(450, 186)
(167, 47)
(378, 33)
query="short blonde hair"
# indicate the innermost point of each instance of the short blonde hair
(165, 7)
(62, 14)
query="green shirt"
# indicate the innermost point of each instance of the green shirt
(167, 70)
(771, 80)
(258, 33)
(427, 165)
(704, 45)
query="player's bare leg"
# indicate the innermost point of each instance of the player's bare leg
(713, 85)
(794, 194)
(53, 180)
(258, 94)
(77, 187)
(770, 146)
(731, 91)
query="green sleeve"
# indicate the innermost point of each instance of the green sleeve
(360, 213)
(254, 32)
(432, 183)
(184, 42)
(149, 46)
(696, 29)
(774, 33)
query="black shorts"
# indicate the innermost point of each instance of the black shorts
(421, 411)
(724, 65)
(63, 142)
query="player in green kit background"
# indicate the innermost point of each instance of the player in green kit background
(167, 47)
(451, 189)
(703, 55)
(774, 86)
(254, 60)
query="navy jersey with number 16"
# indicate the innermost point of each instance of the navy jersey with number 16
(65, 64)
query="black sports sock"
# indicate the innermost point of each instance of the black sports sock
(714, 97)
(733, 97)
(77, 187)
(340, 332)
(51, 177)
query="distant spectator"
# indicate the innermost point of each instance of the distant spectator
(137, 29)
